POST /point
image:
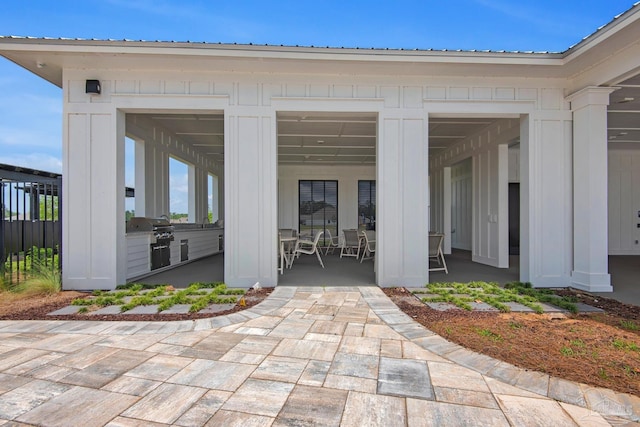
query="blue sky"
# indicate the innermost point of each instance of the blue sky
(31, 109)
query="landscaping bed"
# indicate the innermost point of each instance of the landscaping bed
(599, 349)
(35, 307)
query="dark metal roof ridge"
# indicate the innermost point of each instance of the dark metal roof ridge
(28, 171)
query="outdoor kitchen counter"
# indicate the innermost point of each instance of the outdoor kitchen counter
(200, 242)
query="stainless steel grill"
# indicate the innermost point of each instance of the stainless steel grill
(160, 241)
(161, 227)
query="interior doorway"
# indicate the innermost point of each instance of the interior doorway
(514, 218)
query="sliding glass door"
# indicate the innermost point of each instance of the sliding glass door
(318, 201)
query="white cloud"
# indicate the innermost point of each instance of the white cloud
(23, 137)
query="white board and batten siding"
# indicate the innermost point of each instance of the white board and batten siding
(202, 243)
(138, 254)
(624, 202)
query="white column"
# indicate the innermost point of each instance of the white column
(198, 197)
(446, 220)
(403, 211)
(590, 256)
(526, 196)
(250, 197)
(503, 206)
(154, 174)
(194, 184)
(93, 195)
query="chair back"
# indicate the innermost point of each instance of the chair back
(435, 242)
(287, 232)
(317, 238)
(370, 235)
(350, 237)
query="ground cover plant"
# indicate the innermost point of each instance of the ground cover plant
(463, 295)
(198, 295)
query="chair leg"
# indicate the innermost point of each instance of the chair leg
(319, 258)
(444, 264)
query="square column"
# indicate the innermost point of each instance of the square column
(93, 247)
(250, 184)
(402, 247)
(590, 256)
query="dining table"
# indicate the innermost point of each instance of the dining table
(286, 252)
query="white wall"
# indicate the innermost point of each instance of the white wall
(347, 177)
(624, 201)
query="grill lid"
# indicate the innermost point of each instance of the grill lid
(141, 223)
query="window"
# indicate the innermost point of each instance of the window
(366, 205)
(318, 207)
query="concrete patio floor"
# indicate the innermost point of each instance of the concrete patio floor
(305, 356)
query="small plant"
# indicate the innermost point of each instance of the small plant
(83, 310)
(515, 325)
(43, 278)
(625, 345)
(577, 343)
(628, 325)
(567, 351)
(602, 373)
(489, 334)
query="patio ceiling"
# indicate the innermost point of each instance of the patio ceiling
(624, 114)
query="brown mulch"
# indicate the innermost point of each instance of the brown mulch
(38, 308)
(574, 347)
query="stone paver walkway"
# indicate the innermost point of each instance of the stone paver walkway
(305, 356)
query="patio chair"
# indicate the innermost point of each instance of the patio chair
(435, 253)
(351, 244)
(369, 244)
(332, 242)
(308, 247)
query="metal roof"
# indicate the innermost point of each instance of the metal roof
(202, 43)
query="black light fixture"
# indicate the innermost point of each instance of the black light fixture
(93, 86)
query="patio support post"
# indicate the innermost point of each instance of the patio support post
(403, 215)
(446, 219)
(94, 249)
(250, 167)
(590, 259)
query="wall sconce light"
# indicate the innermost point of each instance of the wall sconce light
(93, 86)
